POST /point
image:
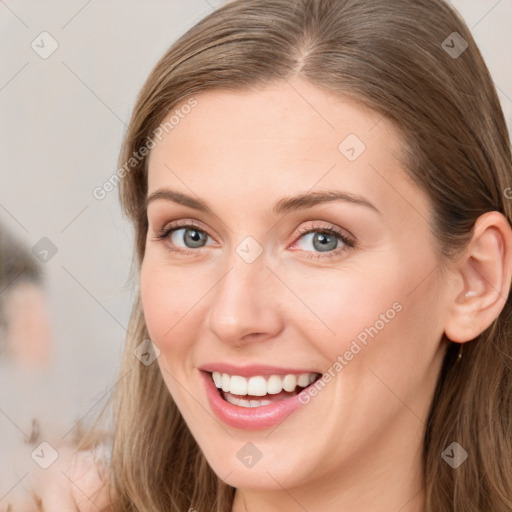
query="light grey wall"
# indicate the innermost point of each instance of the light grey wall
(61, 124)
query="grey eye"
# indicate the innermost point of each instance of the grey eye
(321, 242)
(190, 238)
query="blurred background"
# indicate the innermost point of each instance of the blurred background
(69, 76)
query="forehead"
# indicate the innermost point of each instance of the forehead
(250, 148)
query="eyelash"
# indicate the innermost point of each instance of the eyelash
(349, 242)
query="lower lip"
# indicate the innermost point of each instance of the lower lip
(249, 418)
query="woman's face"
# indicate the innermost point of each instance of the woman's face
(342, 281)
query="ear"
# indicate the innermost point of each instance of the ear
(481, 279)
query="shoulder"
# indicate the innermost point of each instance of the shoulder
(76, 482)
(89, 481)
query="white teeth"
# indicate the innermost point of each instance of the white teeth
(243, 402)
(303, 380)
(274, 385)
(226, 381)
(259, 385)
(217, 378)
(238, 385)
(289, 382)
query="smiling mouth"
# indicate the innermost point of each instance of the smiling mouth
(258, 391)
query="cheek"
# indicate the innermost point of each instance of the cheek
(338, 307)
(166, 299)
(366, 301)
(368, 312)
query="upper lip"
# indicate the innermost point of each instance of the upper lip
(251, 370)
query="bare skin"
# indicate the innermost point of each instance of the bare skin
(28, 333)
(356, 446)
(74, 482)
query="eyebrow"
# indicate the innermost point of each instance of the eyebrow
(284, 205)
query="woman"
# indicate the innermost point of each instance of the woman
(323, 240)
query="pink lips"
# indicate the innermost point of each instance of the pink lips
(243, 417)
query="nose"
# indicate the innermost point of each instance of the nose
(245, 303)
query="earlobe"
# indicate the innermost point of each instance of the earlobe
(481, 279)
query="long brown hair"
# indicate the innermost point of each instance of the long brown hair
(402, 59)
